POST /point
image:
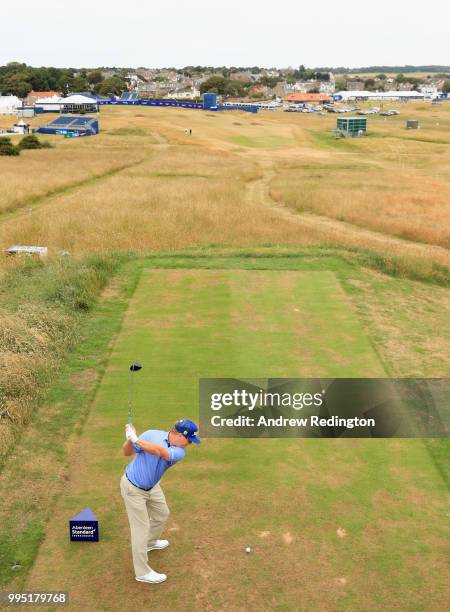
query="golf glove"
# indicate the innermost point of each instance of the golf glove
(130, 433)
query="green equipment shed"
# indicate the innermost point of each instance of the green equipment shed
(352, 125)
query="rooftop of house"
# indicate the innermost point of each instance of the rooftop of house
(307, 97)
(43, 94)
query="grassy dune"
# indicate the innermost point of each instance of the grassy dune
(41, 309)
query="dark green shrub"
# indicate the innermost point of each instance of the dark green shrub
(7, 147)
(32, 142)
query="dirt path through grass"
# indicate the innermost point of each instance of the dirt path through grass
(320, 515)
(30, 204)
(341, 232)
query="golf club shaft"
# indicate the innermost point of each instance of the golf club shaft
(135, 367)
(130, 398)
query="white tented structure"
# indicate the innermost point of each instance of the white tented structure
(344, 96)
(9, 105)
(75, 103)
(51, 103)
(78, 104)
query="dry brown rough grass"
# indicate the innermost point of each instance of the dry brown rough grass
(202, 189)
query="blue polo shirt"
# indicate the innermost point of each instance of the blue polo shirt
(146, 470)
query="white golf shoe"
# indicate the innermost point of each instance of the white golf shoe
(159, 545)
(152, 577)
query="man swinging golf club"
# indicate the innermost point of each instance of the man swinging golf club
(146, 506)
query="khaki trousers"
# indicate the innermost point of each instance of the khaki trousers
(147, 514)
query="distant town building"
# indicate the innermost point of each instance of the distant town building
(327, 87)
(259, 90)
(430, 90)
(438, 83)
(304, 86)
(145, 75)
(133, 80)
(303, 98)
(35, 95)
(147, 90)
(189, 94)
(280, 90)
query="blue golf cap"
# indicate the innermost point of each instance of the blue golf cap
(188, 429)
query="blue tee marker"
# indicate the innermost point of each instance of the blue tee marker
(84, 527)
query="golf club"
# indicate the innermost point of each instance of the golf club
(134, 367)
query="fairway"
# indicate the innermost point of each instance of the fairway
(333, 524)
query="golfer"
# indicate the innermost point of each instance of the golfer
(146, 506)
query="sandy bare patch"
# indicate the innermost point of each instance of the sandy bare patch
(263, 534)
(356, 282)
(85, 378)
(341, 532)
(48, 412)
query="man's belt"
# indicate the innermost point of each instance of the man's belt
(135, 485)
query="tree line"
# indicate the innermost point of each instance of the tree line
(19, 79)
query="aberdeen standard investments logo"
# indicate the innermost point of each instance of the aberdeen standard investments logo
(324, 408)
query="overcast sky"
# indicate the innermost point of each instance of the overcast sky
(89, 33)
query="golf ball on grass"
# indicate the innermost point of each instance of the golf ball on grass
(248, 549)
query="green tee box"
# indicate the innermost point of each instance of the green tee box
(352, 125)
